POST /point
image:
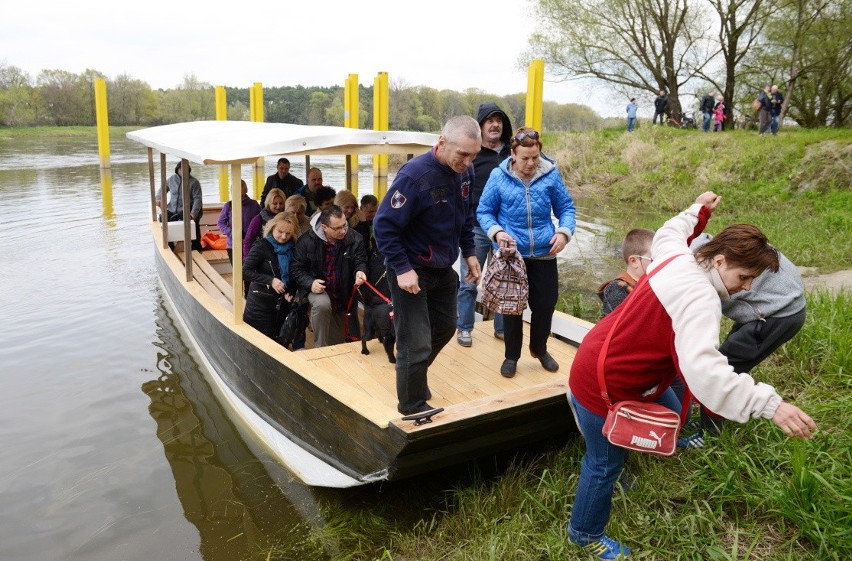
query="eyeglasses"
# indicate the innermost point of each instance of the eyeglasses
(526, 134)
(643, 257)
(341, 228)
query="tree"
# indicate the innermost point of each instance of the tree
(20, 103)
(131, 102)
(646, 45)
(806, 51)
(66, 102)
(740, 25)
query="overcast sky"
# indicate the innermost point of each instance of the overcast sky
(443, 44)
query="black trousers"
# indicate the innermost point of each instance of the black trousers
(544, 292)
(746, 346)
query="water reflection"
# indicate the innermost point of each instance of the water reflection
(241, 511)
(106, 193)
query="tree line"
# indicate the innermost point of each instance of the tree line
(634, 47)
(690, 47)
(61, 98)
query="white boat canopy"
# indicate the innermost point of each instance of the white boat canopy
(243, 142)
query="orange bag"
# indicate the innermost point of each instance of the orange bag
(214, 241)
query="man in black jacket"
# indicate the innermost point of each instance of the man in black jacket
(327, 262)
(661, 107)
(496, 143)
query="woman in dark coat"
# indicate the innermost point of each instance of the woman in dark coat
(267, 269)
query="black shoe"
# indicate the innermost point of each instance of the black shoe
(419, 409)
(547, 361)
(507, 370)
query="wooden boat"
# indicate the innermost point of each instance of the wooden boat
(329, 414)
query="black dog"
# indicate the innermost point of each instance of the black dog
(378, 324)
(378, 314)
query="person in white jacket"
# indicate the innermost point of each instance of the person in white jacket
(677, 310)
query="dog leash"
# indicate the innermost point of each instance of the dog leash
(357, 289)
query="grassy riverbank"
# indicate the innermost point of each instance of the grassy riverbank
(752, 494)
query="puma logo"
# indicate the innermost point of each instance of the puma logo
(649, 443)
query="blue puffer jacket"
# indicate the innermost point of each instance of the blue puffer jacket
(525, 212)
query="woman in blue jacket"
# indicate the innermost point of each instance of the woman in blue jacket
(517, 206)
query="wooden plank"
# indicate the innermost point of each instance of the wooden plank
(472, 409)
(214, 255)
(214, 276)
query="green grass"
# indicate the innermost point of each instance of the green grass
(54, 132)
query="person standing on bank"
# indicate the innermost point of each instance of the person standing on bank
(776, 100)
(496, 131)
(422, 222)
(677, 315)
(632, 108)
(515, 208)
(765, 107)
(708, 102)
(282, 179)
(661, 107)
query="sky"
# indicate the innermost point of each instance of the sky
(442, 44)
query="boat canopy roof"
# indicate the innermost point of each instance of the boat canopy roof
(240, 142)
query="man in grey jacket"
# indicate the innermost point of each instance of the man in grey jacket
(174, 206)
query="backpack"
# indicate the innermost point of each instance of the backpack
(623, 280)
(505, 287)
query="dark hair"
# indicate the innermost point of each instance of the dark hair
(742, 245)
(330, 211)
(528, 137)
(637, 242)
(323, 194)
(369, 200)
(188, 168)
(282, 161)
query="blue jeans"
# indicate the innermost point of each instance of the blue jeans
(631, 124)
(773, 124)
(708, 117)
(601, 466)
(468, 291)
(424, 323)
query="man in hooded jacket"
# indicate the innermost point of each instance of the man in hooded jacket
(496, 143)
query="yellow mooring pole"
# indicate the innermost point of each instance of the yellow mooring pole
(222, 115)
(102, 121)
(535, 91)
(350, 120)
(258, 116)
(381, 110)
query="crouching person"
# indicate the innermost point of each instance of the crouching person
(329, 260)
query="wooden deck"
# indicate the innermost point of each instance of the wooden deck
(460, 375)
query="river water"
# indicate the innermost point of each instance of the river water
(113, 444)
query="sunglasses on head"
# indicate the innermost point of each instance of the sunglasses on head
(526, 134)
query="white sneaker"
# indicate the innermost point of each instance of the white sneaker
(464, 339)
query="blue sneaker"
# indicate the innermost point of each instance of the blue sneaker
(692, 441)
(607, 548)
